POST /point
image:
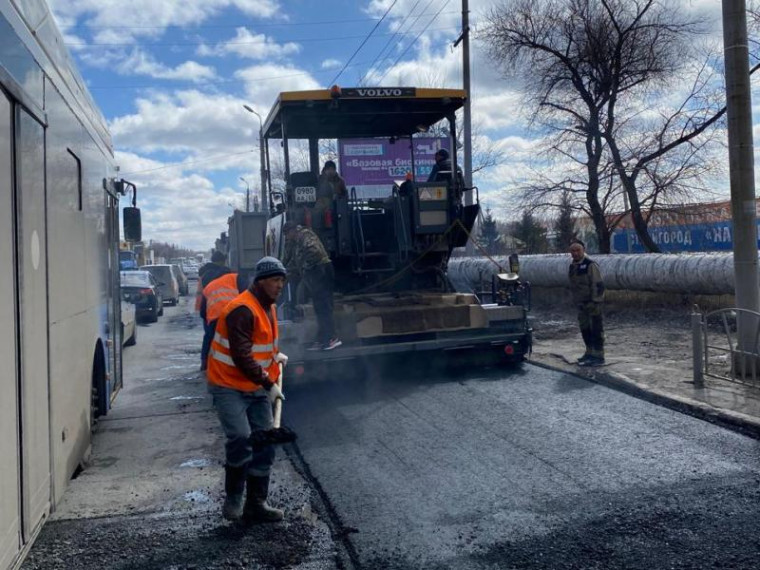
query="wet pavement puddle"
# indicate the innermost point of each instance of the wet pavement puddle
(196, 463)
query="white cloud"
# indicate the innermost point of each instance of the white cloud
(148, 18)
(186, 122)
(179, 207)
(249, 45)
(497, 111)
(264, 82)
(331, 64)
(142, 63)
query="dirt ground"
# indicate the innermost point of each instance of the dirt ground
(649, 352)
(644, 334)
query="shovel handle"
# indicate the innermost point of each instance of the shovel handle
(277, 419)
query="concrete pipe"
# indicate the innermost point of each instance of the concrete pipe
(692, 273)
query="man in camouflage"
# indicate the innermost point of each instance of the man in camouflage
(588, 295)
(306, 257)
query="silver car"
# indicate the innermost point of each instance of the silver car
(167, 282)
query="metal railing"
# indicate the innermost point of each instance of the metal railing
(717, 347)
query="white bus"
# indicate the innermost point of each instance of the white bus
(60, 345)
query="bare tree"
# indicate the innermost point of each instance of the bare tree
(593, 70)
(485, 153)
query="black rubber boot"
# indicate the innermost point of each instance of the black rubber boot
(256, 508)
(234, 486)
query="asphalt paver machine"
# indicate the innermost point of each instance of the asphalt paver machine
(390, 252)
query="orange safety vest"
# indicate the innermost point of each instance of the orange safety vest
(264, 337)
(218, 293)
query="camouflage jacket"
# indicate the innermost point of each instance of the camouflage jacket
(586, 282)
(304, 252)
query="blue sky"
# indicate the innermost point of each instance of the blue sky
(171, 78)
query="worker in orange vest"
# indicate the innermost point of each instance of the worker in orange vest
(216, 295)
(208, 273)
(243, 370)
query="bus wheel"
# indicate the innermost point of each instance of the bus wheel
(98, 405)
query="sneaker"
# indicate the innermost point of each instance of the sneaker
(315, 346)
(592, 361)
(583, 358)
(334, 343)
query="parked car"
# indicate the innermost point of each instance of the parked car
(184, 286)
(141, 289)
(167, 282)
(128, 323)
(191, 270)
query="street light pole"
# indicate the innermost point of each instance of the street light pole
(247, 195)
(262, 166)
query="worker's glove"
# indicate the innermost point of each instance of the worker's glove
(281, 358)
(274, 392)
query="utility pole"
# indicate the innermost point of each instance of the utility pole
(262, 160)
(467, 133)
(464, 38)
(741, 166)
(247, 195)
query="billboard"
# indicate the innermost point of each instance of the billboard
(715, 236)
(372, 165)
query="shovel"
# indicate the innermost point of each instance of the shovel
(277, 435)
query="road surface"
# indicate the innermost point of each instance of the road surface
(527, 468)
(409, 466)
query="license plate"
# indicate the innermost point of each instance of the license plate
(306, 194)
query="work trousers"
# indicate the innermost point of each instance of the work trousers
(208, 335)
(240, 413)
(320, 282)
(591, 321)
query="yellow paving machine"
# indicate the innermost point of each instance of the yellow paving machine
(389, 249)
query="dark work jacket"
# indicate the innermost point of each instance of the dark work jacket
(240, 324)
(586, 282)
(441, 172)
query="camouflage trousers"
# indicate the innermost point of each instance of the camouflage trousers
(591, 321)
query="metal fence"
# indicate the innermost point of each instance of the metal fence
(717, 349)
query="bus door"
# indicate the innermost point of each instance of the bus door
(114, 288)
(10, 447)
(32, 314)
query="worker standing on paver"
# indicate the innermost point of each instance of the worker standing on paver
(243, 370)
(588, 295)
(306, 256)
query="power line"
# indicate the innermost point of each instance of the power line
(182, 164)
(230, 43)
(369, 35)
(232, 26)
(388, 43)
(412, 42)
(221, 81)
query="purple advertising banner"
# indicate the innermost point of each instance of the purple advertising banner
(372, 165)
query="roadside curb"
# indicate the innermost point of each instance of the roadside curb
(731, 419)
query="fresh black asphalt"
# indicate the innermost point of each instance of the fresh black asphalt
(521, 468)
